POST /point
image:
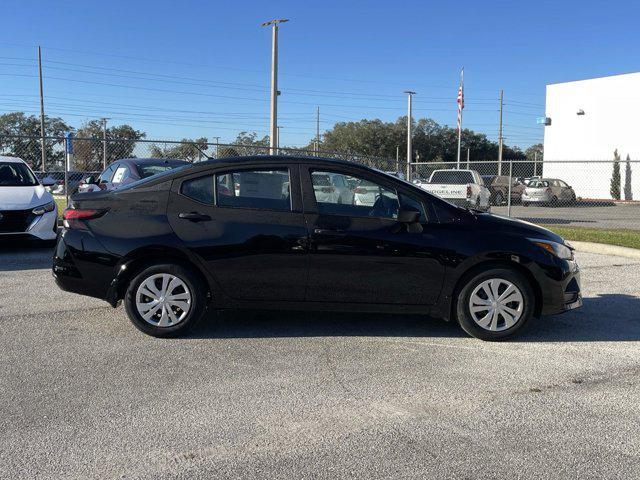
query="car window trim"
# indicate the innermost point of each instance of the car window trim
(214, 171)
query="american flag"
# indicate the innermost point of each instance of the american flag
(460, 99)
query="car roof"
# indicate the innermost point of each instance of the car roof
(8, 159)
(150, 160)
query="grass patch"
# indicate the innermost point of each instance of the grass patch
(62, 204)
(620, 237)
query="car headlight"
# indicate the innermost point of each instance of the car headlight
(563, 251)
(42, 209)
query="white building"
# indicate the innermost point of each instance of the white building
(589, 120)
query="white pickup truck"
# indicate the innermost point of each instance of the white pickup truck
(464, 188)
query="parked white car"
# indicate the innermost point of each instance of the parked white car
(464, 188)
(27, 209)
(332, 188)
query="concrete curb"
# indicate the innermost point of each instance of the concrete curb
(604, 249)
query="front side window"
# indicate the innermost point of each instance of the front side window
(14, 174)
(106, 175)
(256, 189)
(345, 194)
(120, 175)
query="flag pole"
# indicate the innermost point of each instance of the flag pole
(460, 108)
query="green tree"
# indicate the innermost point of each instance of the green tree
(187, 149)
(535, 152)
(20, 136)
(248, 143)
(615, 177)
(628, 193)
(88, 145)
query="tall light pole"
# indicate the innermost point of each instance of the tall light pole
(274, 83)
(410, 95)
(42, 141)
(500, 139)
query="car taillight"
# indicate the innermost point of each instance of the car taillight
(328, 189)
(468, 191)
(74, 217)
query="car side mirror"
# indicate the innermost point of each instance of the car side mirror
(408, 216)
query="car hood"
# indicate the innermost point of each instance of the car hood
(520, 227)
(23, 198)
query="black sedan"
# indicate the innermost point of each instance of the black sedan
(264, 232)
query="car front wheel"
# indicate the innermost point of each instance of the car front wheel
(495, 304)
(165, 300)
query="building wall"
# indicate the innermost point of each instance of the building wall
(611, 121)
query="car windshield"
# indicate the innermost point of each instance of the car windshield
(538, 184)
(14, 174)
(148, 170)
(453, 177)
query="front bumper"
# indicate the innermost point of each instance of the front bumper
(37, 227)
(561, 290)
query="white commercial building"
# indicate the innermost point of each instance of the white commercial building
(589, 120)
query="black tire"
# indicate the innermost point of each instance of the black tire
(194, 314)
(498, 199)
(525, 204)
(463, 313)
(554, 201)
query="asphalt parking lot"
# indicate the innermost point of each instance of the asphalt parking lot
(581, 215)
(290, 395)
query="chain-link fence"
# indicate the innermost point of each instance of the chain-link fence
(591, 193)
(598, 194)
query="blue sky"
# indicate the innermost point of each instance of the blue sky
(201, 68)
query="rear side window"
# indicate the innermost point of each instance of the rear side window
(199, 189)
(255, 189)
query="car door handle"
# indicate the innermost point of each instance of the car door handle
(194, 216)
(328, 231)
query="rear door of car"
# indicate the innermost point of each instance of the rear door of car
(361, 254)
(246, 224)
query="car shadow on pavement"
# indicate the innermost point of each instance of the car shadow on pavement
(605, 318)
(25, 255)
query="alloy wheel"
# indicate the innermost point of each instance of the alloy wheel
(496, 304)
(163, 300)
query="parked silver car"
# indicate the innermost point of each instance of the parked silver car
(332, 188)
(548, 191)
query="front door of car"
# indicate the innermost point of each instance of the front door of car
(247, 226)
(359, 252)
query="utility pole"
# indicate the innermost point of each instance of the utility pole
(217, 144)
(468, 158)
(398, 158)
(317, 130)
(274, 82)
(104, 142)
(500, 135)
(410, 95)
(535, 163)
(42, 142)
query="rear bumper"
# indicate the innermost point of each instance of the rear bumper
(81, 265)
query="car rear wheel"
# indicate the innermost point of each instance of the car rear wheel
(495, 304)
(498, 199)
(165, 300)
